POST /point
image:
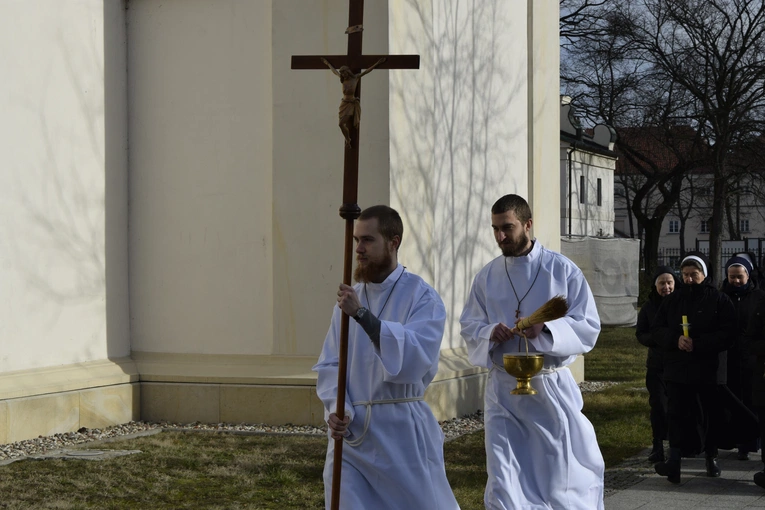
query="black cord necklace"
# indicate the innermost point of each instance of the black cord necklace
(369, 305)
(518, 310)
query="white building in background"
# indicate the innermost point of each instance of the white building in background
(587, 164)
(687, 225)
(170, 245)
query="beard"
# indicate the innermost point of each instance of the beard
(515, 248)
(371, 270)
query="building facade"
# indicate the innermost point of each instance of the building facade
(170, 242)
(686, 226)
(587, 164)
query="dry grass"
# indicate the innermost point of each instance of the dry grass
(619, 413)
(176, 470)
(221, 471)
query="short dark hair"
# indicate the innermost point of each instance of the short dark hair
(514, 203)
(388, 221)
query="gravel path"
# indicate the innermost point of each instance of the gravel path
(616, 478)
(41, 445)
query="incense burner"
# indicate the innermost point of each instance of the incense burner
(523, 367)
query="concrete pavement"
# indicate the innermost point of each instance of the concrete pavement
(634, 484)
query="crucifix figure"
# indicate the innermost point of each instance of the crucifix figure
(350, 106)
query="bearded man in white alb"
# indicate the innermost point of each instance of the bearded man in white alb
(541, 451)
(393, 455)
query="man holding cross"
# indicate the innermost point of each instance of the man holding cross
(393, 454)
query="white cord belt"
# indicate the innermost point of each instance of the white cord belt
(368, 418)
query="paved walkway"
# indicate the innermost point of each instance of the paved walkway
(634, 484)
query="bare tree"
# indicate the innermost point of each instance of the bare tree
(626, 185)
(685, 207)
(714, 50)
(655, 198)
(664, 63)
(580, 19)
(609, 82)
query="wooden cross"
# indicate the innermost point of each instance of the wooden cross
(349, 211)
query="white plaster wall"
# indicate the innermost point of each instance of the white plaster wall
(543, 117)
(62, 198)
(201, 201)
(588, 218)
(459, 137)
(308, 150)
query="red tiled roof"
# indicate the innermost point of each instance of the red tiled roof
(661, 149)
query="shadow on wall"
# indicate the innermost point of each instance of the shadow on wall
(116, 181)
(449, 152)
(60, 253)
(57, 240)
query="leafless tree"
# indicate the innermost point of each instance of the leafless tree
(580, 19)
(686, 205)
(714, 51)
(609, 82)
(664, 63)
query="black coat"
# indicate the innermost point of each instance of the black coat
(754, 349)
(712, 319)
(647, 313)
(744, 302)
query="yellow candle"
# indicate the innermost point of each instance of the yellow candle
(685, 325)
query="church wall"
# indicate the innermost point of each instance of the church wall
(235, 243)
(466, 128)
(459, 136)
(308, 149)
(307, 241)
(275, 182)
(201, 176)
(60, 296)
(63, 219)
(543, 116)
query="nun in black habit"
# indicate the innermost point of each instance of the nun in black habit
(703, 415)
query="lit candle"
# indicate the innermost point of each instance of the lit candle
(685, 325)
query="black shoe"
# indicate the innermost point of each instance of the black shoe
(670, 469)
(713, 469)
(759, 478)
(742, 455)
(656, 455)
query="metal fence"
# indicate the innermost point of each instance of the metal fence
(671, 256)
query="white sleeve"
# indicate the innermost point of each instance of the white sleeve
(476, 329)
(326, 367)
(577, 332)
(409, 351)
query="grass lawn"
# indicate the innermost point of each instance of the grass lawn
(224, 471)
(619, 413)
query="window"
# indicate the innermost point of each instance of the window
(674, 226)
(743, 225)
(704, 227)
(581, 189)
(600, 191)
